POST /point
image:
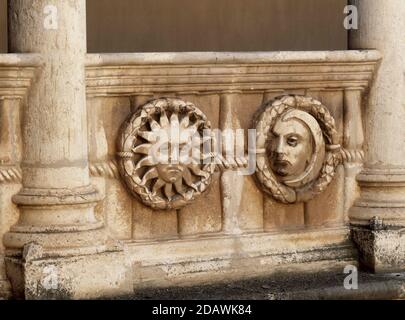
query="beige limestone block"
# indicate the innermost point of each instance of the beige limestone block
(100, 210)
(107, 117)
(9, 212)
(97, 139)
(114, 111)
(118, 210)
(279, 216)
(353, 140)
(98, 151)
(10, 132)
(142, 217)
(236, 113)
(333, 100)
(326, 209)
(139, 100)
(164, 224)
(149, 224)
(207, 103)
(101, 275)
(251, 205)
(204, 215)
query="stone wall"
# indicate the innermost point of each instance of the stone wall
(237, 227)
(235, 219)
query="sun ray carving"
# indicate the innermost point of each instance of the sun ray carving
(143, 148)
(168, 170)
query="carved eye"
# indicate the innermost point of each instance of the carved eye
(292, 141)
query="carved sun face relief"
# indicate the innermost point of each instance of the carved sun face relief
(160, 151)
(297, 149)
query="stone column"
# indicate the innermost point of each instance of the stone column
(378, 216)
(57, 201)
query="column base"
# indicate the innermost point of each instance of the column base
(378, 219)
(101, 275)
(382, 196)
(381, 249)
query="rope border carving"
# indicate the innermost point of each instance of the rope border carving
(10, 175)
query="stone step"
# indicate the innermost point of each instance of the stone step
(316, 286)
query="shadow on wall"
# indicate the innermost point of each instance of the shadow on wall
(215, 25)
(209, 25)
(3, 26)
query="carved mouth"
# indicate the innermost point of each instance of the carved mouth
(174, 169)
(281, 163)
(280, 167)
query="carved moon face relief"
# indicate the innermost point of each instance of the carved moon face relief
(297, 148)
(161, 153)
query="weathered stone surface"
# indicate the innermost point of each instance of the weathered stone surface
(82, 277)
(380, 251)
(219, 258)
(279, 216)
(297, 148)
(233, 231)
(57, 200)
(327, 208)
(204, 215)
(118, 208)
(382, 179)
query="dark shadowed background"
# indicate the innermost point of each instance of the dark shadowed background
(209, 25)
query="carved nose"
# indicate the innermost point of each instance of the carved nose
(279, 147)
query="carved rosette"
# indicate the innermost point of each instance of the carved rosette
(297, 148)
(160, 153)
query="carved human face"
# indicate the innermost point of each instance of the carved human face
(170, 173)
(171, 170)
(291, 148)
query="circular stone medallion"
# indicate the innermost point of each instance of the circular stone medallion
(161, 153)
(297, 148)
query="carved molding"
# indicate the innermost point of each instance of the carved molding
(17, 71)
(297, 148)
(137, 73)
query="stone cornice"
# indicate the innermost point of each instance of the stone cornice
(128, 74)
(17, 72)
